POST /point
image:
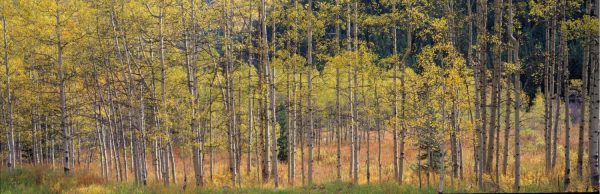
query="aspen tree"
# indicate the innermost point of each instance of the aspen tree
(63, 101)
(338, 121)
(311, 133)
(517, 81)
(566, 92)
(584, 93)
(397, 162)
(10, 131)
(594, 109)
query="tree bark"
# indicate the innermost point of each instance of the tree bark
(397, 162)
(584, 94)
(496, 61)
(63, 102)
(557, 82)
(594, 129)
(517, 80)
(309, 97)
(547, 102)
(10, 135)
(338, 121)
(566, 93)
(480, 86)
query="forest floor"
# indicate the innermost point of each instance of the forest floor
(87, 179)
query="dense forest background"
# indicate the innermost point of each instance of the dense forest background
(450, 95)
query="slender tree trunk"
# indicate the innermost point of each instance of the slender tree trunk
(594, 128)
(338, 121)
(166, 148)
(482, 61)
(547, 102)
(495, 85)
(378, 125)
(403, 64)
(250, 99)
(294, 132)
(397, 162)
(594, 109)
(453, 96)
(367, 130)
(507, 117)
(354, 101)
(584, 95)
(10, 135)
(517, 80)
(63, 102)
(302, 133)
(557, 82)
(566, 93)
(311, 135)
(265, 133)
(273, 119)
(480, 85)
(230, 93)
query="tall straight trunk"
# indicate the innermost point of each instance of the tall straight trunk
(11, 137)
(338, 120)
(517, 80)
(453, 137)
(594, 128)
(302, 132)
(407, 52)
(547, 102)
(454, 131)
(139, 140)
(442, 168)
(551, 88)
(250, 97)
(210, 130)
(165, 149)
(35, 158)
(584, 95)
(517, 172)
(295, 130)
(265, 133)
(350, 131)
(566, 93)
(508, 106)
(378, 125)
(63, 102)
(480, 89)
(367, 131)
(273, 116)
(482, 62)
(157, 144)
(557, 86)
(475, 120)
(355, 119)
(397, 174)
(290, 130)
(311, 132)
(229, 93)
(496, 61)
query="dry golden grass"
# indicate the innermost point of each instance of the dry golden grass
(533, 176)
